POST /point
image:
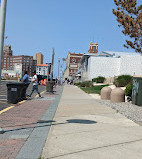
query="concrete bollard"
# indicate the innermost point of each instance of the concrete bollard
(105, 93)
(117, 95)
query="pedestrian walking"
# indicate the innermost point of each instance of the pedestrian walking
(25, 78)
(35, 85)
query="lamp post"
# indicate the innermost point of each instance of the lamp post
(52, 65)
(58, 69)
(61, 75)
(2, 30)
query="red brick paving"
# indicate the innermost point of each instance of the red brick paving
(25, 115)
(10, 147)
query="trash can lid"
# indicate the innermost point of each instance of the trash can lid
(15, 83)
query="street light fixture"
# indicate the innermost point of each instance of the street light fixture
(2, 30)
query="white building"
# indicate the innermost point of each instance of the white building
(110, 64)
(42, 69)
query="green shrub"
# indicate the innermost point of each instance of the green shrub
(77, 83)
(123, 80)
(94, 80)
(86, 84)
(82, 84)
(128, 90)
(41, 157)
(99, 79)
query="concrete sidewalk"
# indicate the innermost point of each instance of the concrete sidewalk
(85, 129)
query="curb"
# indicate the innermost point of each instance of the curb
(1, 131)
(33, 147)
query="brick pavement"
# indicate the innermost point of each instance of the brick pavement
(10, 147)
(19, 122)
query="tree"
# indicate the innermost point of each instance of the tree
(129, 17)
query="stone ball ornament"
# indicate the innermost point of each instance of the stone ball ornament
(117, 95)
(105, 93)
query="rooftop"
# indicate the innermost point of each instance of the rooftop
(116, 53)
(42, 65)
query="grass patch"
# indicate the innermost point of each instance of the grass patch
(93, 89)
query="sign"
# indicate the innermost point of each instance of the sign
(14, 89)
(73, 66)
(18, 66)
(18, 70)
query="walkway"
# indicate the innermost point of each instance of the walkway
(85, 129)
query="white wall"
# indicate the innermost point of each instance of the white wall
(43, 70)
(112, 66)
(131, 65)
(103, 66)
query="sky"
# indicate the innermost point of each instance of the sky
(39, 25)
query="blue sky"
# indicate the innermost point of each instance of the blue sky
(39, 25)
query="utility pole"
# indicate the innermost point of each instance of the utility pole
(52, 65)
(61, 74)
(2, 30)
(58, 69)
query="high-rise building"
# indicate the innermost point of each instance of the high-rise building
(93, 47)
(39, 58)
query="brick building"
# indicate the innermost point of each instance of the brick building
(93, 47)
(9, 61)
(72, 64)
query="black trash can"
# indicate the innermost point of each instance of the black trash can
(23, 93)
(49, 87)
(14, 92)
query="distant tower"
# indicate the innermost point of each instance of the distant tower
(93, 47)
(39, 58)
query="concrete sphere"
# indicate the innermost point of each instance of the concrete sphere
(105, 93)
(117, 95)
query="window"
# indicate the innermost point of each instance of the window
(94, 48)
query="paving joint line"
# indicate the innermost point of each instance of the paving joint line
(95, 148)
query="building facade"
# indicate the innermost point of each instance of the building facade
(72, 64)
(110, 64)
(9, 61)
(93, 48)
(39, 58)
(16, 72)
(42, 69)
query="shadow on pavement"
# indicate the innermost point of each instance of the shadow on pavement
(43, 123)
(81, 121)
